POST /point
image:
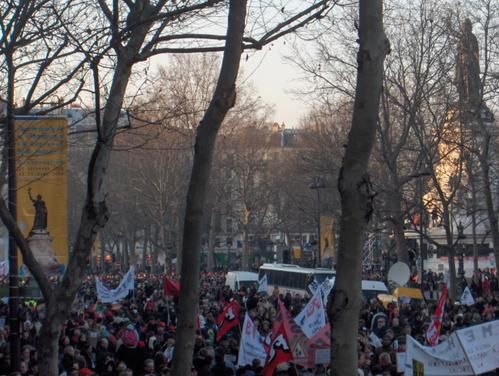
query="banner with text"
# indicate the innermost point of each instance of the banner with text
(470, 351)
(312, 318)
(251, 346)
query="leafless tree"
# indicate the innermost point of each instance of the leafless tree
(356, 189)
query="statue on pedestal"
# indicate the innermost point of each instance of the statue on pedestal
(41, 213)
(467, 79)
(39, 239)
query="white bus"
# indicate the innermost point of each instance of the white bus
(292, 278)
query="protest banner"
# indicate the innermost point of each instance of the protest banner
(470, 351)
(126, 285)
(298, 342)
(467, 297)
(447, 358)
(251, 346)
(481, 345)
(312, 318)
(227, 319)
(280, 352)
(263, 284)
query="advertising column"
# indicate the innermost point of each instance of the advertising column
(41, 171)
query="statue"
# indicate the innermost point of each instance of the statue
(467, 77)
(40, 222)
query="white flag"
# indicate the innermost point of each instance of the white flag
(263, 284)
(126, 285)
(4, 267)
(251, 346)
(467, 297)
(313, 286)
(326, 286)
(312, 318)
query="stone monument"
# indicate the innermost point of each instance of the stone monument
(39, 239)
(467, 79)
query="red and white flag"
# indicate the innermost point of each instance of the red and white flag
(433, 332)
(280, 351)
(227, 319)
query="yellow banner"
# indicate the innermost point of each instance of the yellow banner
(328, 240)
(41, 173)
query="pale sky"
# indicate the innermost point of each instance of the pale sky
(274, 78)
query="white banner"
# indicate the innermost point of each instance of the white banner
(126, 285)
(467, 297)
(4, 267)
(481, 344)
(263, 284)
(470, 351)
(447, 358)
(251, 346)
(312, 318)
(326, 287)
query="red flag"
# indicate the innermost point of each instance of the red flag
(227, 319)
(298, 342)
(280, 351)
(171, 288)
(433, 332)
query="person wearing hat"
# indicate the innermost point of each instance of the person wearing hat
(86, 372)
(129, 351)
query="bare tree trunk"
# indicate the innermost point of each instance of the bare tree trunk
(246, 247)
(246, 250)
(102, 239)
(211, 242)
(178, 244)
(223, 99)
(144, 248)
(397, 226)
(356, 190)
(450, 251)
(155, 250)
(49, 332)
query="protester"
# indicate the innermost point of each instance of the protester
(137, 335)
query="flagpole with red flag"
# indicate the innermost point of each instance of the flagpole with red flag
(227, 319)
(433, 332)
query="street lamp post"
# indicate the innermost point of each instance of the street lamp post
(318, 184)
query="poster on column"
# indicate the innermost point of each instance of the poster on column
(41, 176)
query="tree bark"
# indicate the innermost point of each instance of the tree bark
(245, 260)
(223, 99)
(178, 243)
(211, 243)
(94, 214)
(450, 251)
(397, 226)
(356, 190)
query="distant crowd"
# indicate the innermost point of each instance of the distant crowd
(137, 336)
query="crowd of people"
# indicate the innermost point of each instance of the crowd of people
(137, 336)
